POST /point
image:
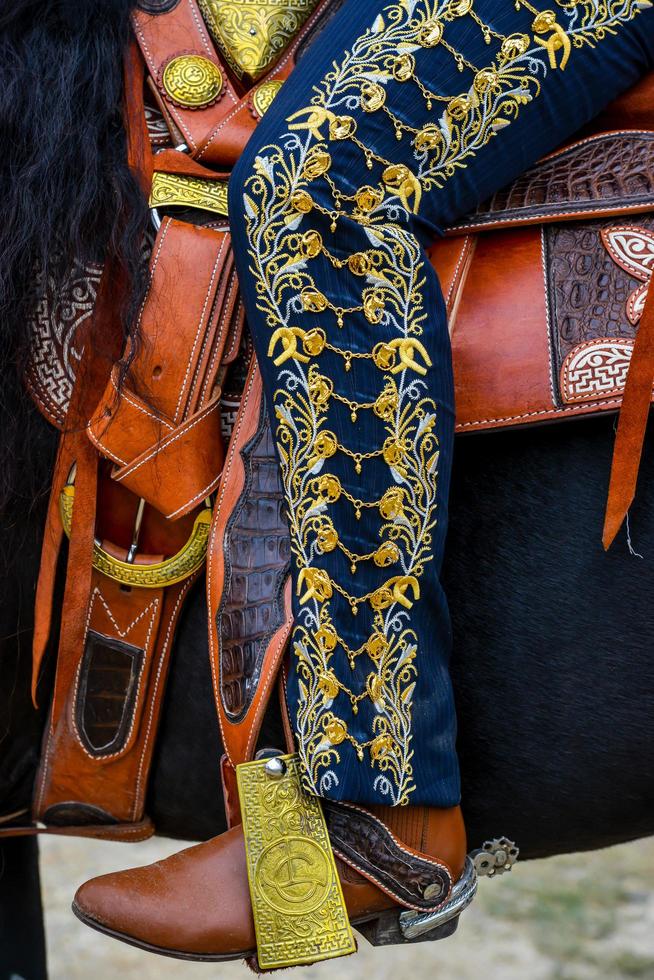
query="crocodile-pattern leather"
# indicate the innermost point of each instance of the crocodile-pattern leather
(257, 560)
(587, 290)
(605, 173)
(362, 841)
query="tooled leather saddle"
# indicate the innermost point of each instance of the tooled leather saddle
(178, 475)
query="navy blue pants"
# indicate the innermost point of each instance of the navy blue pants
(399, 119)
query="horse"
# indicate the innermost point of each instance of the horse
(552, 671)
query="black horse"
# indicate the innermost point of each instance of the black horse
(552, 662)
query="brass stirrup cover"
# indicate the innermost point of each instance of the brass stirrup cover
(297, 902)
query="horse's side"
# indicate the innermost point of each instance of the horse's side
(552, 654)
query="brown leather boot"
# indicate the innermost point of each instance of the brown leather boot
(196, 904)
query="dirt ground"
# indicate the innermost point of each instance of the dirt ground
(577, 917)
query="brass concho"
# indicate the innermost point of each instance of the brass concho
(192, 81)
(253, 35)
(264, 94)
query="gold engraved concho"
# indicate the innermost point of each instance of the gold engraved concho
(254, 34)
(192, 81)
(264, 94)
(297, 901)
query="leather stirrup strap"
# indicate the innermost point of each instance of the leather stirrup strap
(632, 425)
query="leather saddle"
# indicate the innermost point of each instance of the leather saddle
(187, 477)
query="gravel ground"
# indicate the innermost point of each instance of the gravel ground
(576, 917)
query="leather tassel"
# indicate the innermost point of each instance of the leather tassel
(632, 426)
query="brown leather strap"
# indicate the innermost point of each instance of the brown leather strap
(632, 425)
(248, 586)
(414, 879)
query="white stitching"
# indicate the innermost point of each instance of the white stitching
(547, 411)
(180, 432)
(126, 744)
(124, 394)
(548, 314)
(216, 350)
(209, 295)
(137, 800)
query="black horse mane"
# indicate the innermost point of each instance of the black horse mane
(66, 191)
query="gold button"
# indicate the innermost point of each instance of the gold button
(313, 341)
(263, 95)
(311, 244)
(192, 81)
(430, 33)
(403, 67)
(336, 731)
(317, 163)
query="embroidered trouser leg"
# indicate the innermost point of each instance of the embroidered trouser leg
(399, 119)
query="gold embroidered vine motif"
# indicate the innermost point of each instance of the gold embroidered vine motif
(282, 196)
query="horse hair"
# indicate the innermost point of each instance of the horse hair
(67, 192)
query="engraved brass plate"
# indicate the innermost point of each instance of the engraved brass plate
(253, 34)
(299, 911)
(192, 81)
(190, 192)
(263, 96)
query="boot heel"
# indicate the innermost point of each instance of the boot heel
(386, 931)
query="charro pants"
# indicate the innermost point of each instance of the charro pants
(400, 118)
